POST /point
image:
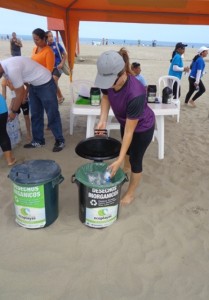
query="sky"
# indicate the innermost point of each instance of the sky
(24, 24)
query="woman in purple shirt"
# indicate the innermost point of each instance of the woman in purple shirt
(127, 98)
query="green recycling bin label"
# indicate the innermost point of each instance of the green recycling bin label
(30, 206)
(101, 206)
(101, 216)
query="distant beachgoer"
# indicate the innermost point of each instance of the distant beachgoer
(42, 94)
(176, 67)
(136, 68)
(197, 71)
(42, 53)
(15, 45)
(57, 71)
(5, 142)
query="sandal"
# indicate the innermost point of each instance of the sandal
(61, 100)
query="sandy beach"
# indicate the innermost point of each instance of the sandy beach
(156, 250)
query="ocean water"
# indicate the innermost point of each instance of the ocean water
(97, 41)
(154, 43)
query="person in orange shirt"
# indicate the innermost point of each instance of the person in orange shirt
(42, 53)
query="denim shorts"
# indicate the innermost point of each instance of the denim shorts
(56, 72)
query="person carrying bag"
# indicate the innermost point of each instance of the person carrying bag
(61, 63)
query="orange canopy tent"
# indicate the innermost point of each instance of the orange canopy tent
(133, 11)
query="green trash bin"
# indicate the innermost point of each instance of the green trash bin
(98, 204)
(35, 190)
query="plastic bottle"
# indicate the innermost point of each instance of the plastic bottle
(107, 176)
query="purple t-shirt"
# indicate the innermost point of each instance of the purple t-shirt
(130, 102)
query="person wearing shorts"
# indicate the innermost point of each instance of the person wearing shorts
(127, 97)
(24, 107)
(60, 57)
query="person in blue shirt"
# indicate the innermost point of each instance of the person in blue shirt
(176, 67)
(136, 68)
(197, 71)
(59, 62)
(5, 142)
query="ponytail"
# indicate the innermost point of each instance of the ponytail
(173, 54)
(194, 60)
(124, 53)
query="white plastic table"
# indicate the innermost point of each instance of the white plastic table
(160, 110)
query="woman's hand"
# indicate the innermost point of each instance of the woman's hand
(101, 125)
(113, 168)
(59, 67)
(186, 69)
(11, 116)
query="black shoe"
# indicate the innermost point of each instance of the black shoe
(33, 145)
(58, 146)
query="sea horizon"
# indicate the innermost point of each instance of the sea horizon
(124, 42)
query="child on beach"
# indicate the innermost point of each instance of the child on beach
(59, 61)
(136, 68)
(24, 106)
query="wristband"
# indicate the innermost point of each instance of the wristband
(14, 111)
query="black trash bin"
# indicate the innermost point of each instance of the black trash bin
(98, 204)
(35, 189)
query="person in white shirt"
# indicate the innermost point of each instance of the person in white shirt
(42, 96)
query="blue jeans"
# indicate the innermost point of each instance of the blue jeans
(44, 97)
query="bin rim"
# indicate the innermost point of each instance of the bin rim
(27, 173)
(108, 184)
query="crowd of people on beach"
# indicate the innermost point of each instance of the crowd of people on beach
(33, 83)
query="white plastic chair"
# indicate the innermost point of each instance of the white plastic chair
(75, 87)
(169, 81)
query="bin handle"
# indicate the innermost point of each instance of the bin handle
(100, 132)
(57, 180)
(73, 178)
(125, 179)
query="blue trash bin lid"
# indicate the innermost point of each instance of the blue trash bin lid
(34, 172)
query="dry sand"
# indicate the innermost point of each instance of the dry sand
(156, 250)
